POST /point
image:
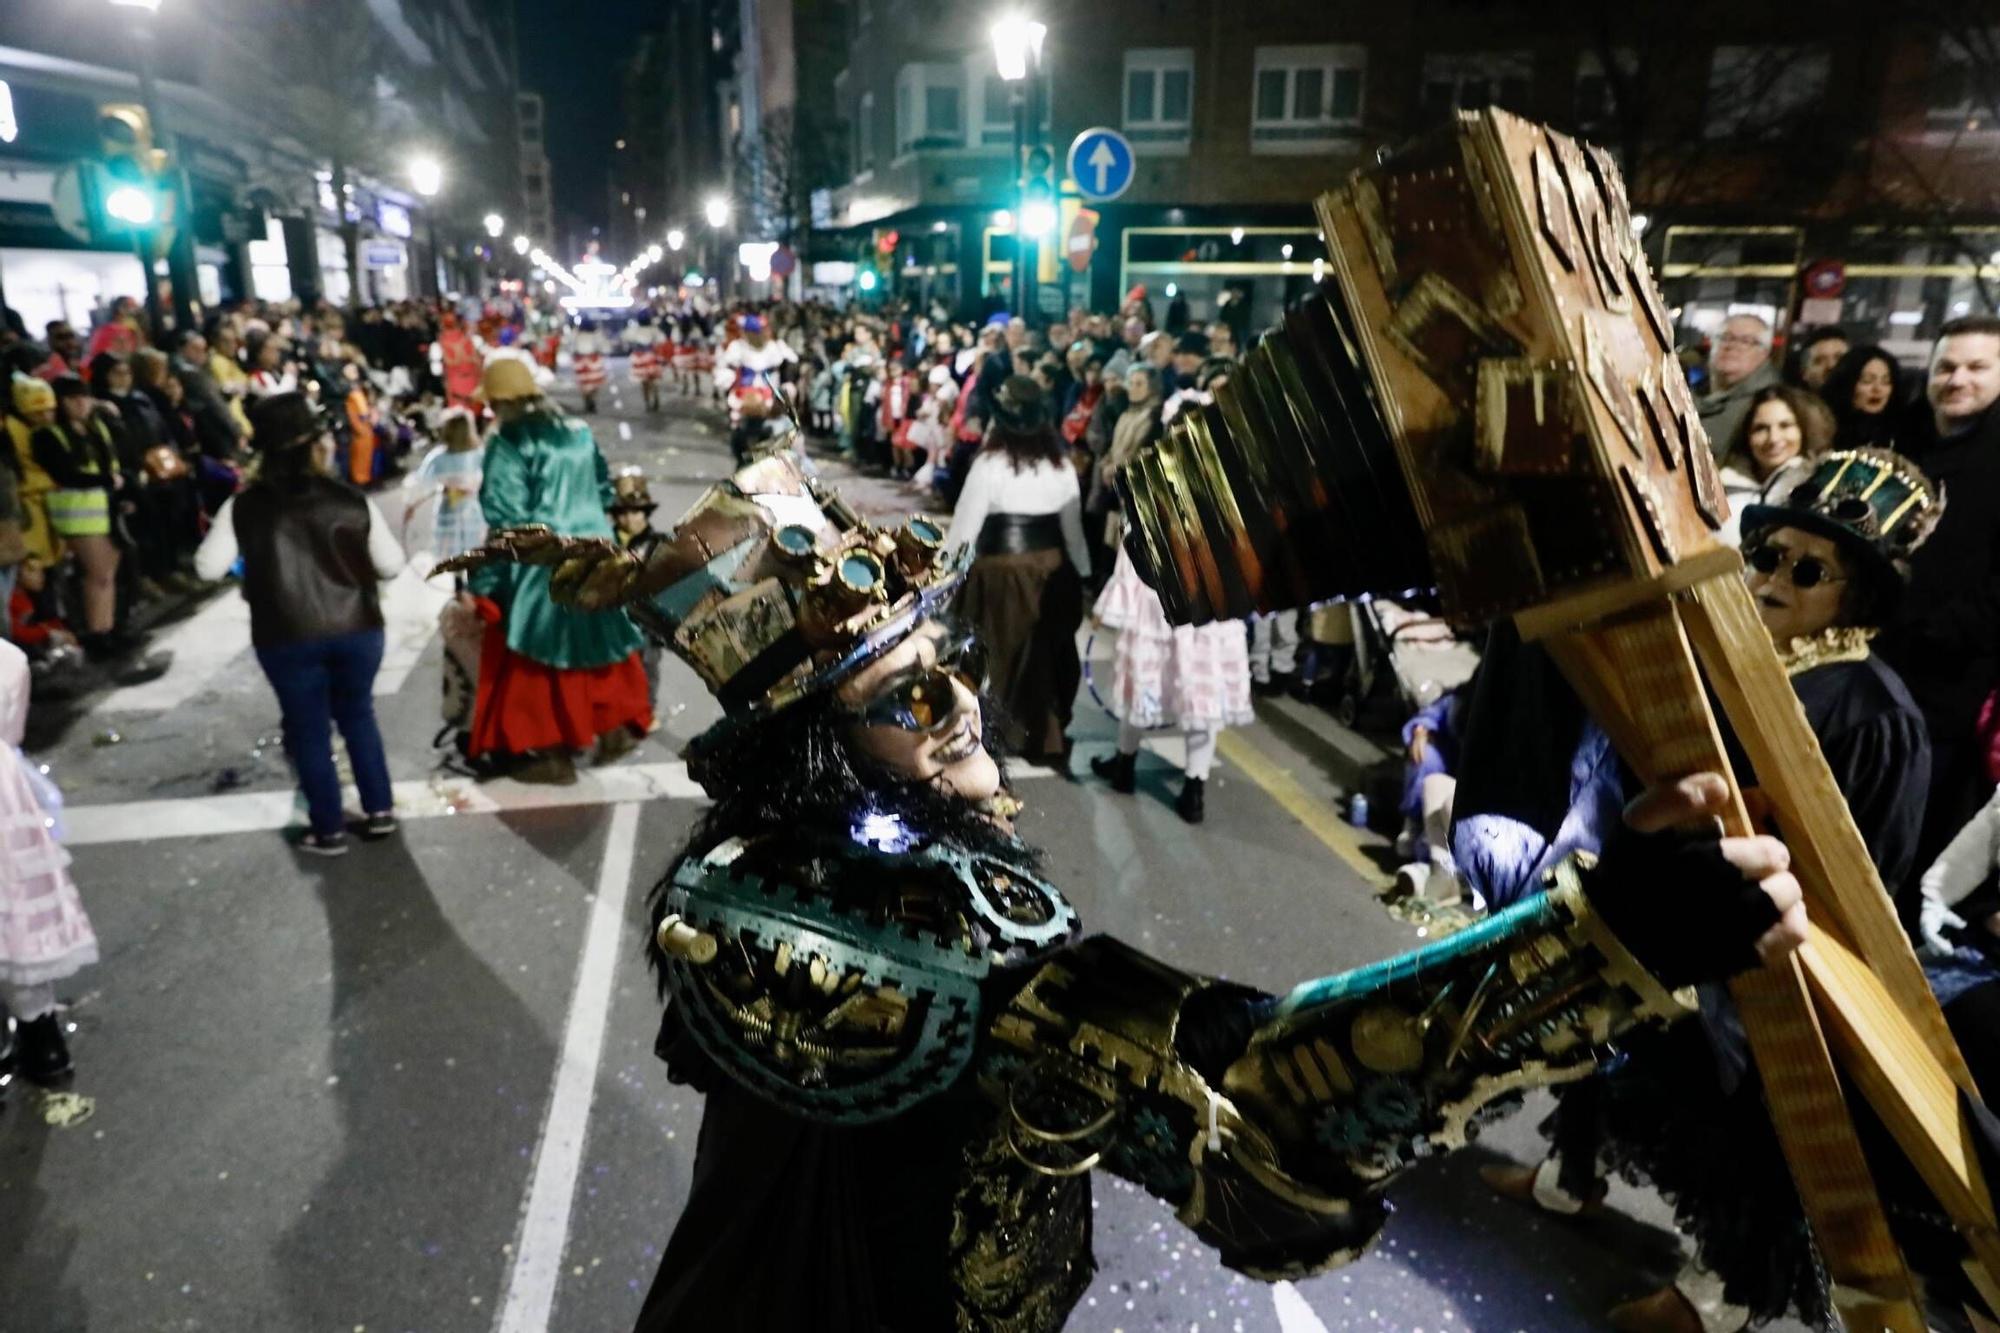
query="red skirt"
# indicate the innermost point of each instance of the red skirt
(524, 705)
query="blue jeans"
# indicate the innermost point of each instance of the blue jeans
(320, 683)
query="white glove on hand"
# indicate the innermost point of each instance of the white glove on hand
(1932, 919)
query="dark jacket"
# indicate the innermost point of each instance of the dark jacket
(216, 431)
(77, 460)
(1945, 641)
(306, 571)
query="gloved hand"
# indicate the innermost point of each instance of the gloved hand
(1933, 919)
(1689, 903)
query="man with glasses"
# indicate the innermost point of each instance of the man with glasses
(1946, 641)
(1739, 364)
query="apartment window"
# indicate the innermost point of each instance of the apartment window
(929, 107)
(1467, 81)
(1964, 86)
(1595, 103)
(1159, 95)
(996, 121)
(864, 134)
(1305, 96)
(1759, 92)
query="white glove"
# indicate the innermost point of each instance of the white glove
(1932, 919)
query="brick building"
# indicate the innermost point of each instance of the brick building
(1759, 140)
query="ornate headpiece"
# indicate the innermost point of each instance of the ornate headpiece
(1873, 502)
(631, 490)
(771, 587)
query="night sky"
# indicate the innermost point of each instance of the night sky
(569, 54)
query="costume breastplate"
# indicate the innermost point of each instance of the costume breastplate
(847, 986)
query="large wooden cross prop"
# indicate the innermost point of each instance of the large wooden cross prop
(1486, 398)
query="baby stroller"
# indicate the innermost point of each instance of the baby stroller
(1403, 659)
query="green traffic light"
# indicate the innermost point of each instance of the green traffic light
(133, 206)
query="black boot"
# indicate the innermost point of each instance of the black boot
(1117, 769)
(1189, 803)
(42, 1056)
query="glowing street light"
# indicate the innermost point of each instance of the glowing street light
(522, 245)
(426, 174)
(676, 239)
(1017, 39)
(716, 210)
(495, 224)
(1038, 217)
(655, 253)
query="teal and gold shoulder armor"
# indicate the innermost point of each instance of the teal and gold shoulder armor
(845, 983)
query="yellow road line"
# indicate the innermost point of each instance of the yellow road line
(1321, 819)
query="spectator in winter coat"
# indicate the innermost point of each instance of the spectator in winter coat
(1945, 641)
(1738, 368)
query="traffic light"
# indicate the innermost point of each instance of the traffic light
(127, 195)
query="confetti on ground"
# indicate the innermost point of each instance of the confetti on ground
(66, 1110)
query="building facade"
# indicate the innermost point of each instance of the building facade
(271, 102)
(1759, 142)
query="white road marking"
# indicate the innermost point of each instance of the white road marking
(624, 430)
(264, 811)
(1294, 1315)
(203, 645)
(538, 1252)
(431, 798)
(410, 607)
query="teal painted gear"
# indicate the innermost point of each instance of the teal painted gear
(931, 971)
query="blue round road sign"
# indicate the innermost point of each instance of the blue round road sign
(1102, 164)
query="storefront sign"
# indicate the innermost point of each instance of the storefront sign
(383, 254)
(833, 273)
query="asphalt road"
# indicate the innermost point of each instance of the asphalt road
(412, 1089)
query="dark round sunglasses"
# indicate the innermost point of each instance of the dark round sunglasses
(1805, 571)
(925, 699)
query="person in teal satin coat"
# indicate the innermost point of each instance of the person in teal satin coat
(553, 681)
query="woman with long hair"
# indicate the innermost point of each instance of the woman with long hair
(1021, 514)
(1784, 432)
(314, 552)
(1867, 393)
(912, 1058)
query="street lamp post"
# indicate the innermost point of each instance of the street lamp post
(181, 276)
(427, 175)
(716, 210)
(1017, 51)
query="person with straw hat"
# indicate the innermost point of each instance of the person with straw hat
(553, 681)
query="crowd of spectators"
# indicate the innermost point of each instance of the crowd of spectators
(121, 447)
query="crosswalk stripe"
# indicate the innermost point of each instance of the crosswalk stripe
(436, 797)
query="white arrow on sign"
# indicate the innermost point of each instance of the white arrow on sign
(1103, 159)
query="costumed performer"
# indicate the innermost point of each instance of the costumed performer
(913, 1058)
(1684, 1111)
(553, 681)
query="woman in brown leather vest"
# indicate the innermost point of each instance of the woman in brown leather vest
(313, 551)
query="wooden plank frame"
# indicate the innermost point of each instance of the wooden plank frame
(1646, 642)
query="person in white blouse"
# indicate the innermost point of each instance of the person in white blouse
(1021, 513)
(1958, 956)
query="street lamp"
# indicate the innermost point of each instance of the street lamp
(495, 224)
(1017, 53)
(716, 210)
(181, 276)
(427, 177)
(522, 245)
(676, 239)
